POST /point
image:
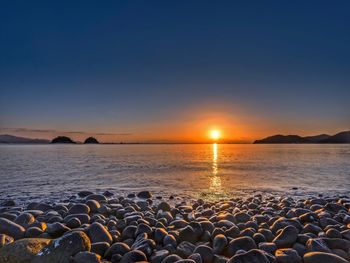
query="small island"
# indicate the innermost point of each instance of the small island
(91, 140)
(63, 139)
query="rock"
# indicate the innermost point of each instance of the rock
(84, 193)
(185, 249)
(171, 259)
(320, 257)
(198, 259)
(79, 209)
(117, 248)
(83, 218)
(143, 228)
(131, 195)
(73, 223)
(61, 249)
(133, 256)
(287, 237)
(300, 248)
(97, 197)
(333, 233)
(5, 240)
(25, 219)
(268, 247)
(317, 245)
(98, 233)
(252, 256)
(169, 240)
(12, 229)
(245, 243)
(56, 229)
(143, 244)
(337, 243)
(159, 234)
(108, 193)
(188, 234)
(206, 253)
(346, 234)
(93, 205)
(32, 232)
(219, 243)
(129, 232)
(43, 207)
(22, 251)
(158, 256)
(164, 206)
(86, 257)
(144, 194)
(287, 255)
(100, 248)
(242, 217)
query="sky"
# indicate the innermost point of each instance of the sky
(171, 71)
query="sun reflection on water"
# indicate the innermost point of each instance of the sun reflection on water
(215, 180)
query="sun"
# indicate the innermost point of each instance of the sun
(215, 134)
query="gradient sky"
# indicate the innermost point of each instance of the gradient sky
(172, 70)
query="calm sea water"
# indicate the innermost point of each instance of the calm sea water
(214, 170)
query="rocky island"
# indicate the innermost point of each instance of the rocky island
(62, 139)
(93, 228)
(91, 140)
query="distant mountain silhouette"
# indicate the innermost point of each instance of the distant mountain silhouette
(91, 140)
(283, 139)
(62, 139)
(6, 138)
(317, 138)
(342, 137)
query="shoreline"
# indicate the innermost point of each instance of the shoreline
(109, 227)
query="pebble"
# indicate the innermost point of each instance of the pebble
(25, 219)
(240, 243)
(61, 249)
(287, 237)
(98, 233)
(318, 257)
(133, 256)
(287, 255)
(206, 253)
(79, 209)
(12, 229)
(252, 256)
(144, 194)
(86, 257)
(219, 243)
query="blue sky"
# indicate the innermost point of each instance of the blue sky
(153, 68)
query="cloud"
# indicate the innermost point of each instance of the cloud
(7, 129)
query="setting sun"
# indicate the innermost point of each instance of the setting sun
(215, 134)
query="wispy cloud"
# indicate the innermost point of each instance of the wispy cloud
(29, 130)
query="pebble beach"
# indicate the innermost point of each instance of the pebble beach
(89, 227)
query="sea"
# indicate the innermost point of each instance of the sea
(208, 171)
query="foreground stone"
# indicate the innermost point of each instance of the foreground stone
(22, 251)
(11, 228)
(62, 249)
(319, 257)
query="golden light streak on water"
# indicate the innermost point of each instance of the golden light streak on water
(215, 180)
